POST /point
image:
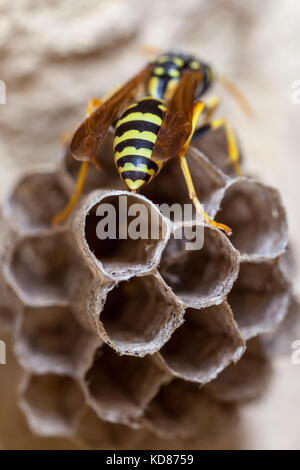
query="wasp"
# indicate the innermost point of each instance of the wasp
(157, 127)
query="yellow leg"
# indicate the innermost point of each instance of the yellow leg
(94, 102)
(198, 108)
(71, 204)
(95, 162)
(233, 150)
(210, 107)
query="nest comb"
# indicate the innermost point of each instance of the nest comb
(117, 336)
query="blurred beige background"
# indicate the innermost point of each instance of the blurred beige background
(55, 55)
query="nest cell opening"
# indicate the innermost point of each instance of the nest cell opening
(94, 433)
(141, 236)
(181, 410)
(36, 199)
(259, 298)
(203, 276)
(247, 379)
(119, 387)
(204, 345)
(257, 218)
(49, 339)
(45, 269)
(52, 404)
(139, 315)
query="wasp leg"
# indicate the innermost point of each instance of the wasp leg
(72, 202)
(94, 102)
(232, 147)
(211, 106)
(198, 109)
(95, 162)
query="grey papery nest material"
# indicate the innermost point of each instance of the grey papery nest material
(117, 335)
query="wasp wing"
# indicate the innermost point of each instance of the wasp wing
(177, 122)
(92, 131)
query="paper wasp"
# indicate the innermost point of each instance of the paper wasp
(156, 128)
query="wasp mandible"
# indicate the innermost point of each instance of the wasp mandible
(158, 127)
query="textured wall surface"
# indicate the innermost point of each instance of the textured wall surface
(55, 55)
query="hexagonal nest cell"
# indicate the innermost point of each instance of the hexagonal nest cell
(45, 268)
(94, 433)
(207, 342)
(182, 409)
(257, 218)
(52, 404)
(259, 298)
(118, 388)
(140, 315)
(203, 276)
(246, 380)
(116, 334)
(34, 200)
(50, 339)
(132, 246)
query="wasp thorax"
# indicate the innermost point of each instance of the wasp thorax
(168, 69)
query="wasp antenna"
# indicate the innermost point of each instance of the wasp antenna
(237, 95)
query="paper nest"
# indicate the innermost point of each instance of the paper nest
(119, 335)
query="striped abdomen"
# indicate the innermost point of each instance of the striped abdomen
(135, 136)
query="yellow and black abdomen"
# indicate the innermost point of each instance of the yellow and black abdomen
(135, 136)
